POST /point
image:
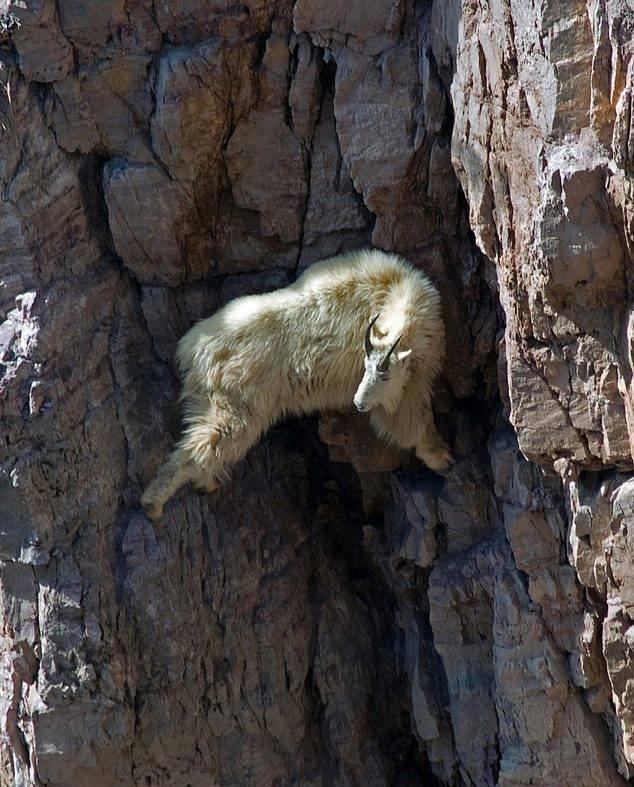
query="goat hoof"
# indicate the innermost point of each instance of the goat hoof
(438, 460)
(153, 510)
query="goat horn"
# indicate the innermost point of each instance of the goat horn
(383, 363)
(368, 341)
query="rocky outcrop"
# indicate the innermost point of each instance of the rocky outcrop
(338, 614)
(539, 143)
(541, 146)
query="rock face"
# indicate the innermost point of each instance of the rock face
(338, 614)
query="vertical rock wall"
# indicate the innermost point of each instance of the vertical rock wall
(338, 614)
(542, 143)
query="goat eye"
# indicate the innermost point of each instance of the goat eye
(384, 377)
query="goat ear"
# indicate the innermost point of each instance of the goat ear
(402, 356)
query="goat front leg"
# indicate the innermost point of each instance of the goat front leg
(430, 447)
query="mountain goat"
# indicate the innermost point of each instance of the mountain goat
(300, 349)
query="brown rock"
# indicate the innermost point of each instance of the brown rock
(105, 108)
(197, 99)
(335, 216)
(371, 29)
(149, 218)
(44, 53)
(337, 614)
(275, 185)
(531, 146)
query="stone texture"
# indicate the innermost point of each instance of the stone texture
(104, 108)
(338, 614)
(151, 223)
(538, 145)
(600, 549)
(273, 186)
(44, 53)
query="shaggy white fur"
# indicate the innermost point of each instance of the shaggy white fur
(300, 349)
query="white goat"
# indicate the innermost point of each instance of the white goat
(299, 349)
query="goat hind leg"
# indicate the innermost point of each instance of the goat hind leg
(218, 435)
(173, 474)
(180, 468)
(205, 479)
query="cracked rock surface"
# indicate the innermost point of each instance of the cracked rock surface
(338, 614)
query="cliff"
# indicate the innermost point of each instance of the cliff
(338, 614)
